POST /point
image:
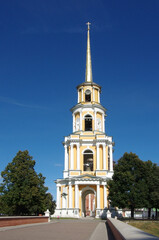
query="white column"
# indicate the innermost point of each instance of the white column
(82, 94)
(97, 156)
(70, 195)
(111, 158)
(74, 124)
(76, 196)
(98, 96)
(71, 160)
(103, 122)
(104, 156)
(78, 156)
(66, 159)
(105, 196)
(98, 196)
(58, 196)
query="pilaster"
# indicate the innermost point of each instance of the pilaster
(105, 196)
(66, 158)
(98, 196)
(58, 196)
(76, 196)
(71, 160)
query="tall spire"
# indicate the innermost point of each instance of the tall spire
(88, 77)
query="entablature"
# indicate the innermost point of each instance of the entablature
(85, 179)
(91, 139)
(81, 107)
(92, 84)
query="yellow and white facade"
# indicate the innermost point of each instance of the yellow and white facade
(88, 162)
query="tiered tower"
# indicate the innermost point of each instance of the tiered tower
(88, 162)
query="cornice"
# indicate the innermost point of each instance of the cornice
(89, 141)
(89, 84)
(91, 106)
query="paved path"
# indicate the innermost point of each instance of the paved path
(58, 230)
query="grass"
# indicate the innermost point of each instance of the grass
(151, 227)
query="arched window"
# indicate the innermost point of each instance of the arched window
(88, 160)
(88, 95)
(88, 123)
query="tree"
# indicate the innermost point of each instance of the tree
(50, 203)
(128, 187)
(155, 193)
(22, 191)
(152, 181)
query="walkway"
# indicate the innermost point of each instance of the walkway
(59, 230)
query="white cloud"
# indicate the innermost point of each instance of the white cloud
(58, 165)
(14, 102)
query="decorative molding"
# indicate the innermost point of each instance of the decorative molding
(88, 148)
(85, 189)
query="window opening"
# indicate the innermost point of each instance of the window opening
(88, 161)
(88, 123)
(88, 95)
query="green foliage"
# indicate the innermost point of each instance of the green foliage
(128, 188)
(22, 191)
(152, 181)
(50, 203)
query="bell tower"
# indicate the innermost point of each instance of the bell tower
(88, 162)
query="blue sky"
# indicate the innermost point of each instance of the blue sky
(42, 60)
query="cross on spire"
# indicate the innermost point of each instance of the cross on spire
(88, 23)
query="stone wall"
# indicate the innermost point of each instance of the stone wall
(13, 221)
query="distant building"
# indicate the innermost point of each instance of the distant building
(88, 154)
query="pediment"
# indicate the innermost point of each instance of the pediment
(86, 176)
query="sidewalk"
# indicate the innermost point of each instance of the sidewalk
(57, 230)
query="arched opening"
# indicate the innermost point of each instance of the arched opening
(87, 95)
(88, 160)
(88, 203)
(88, 123)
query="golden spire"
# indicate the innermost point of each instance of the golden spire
(88, 58)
